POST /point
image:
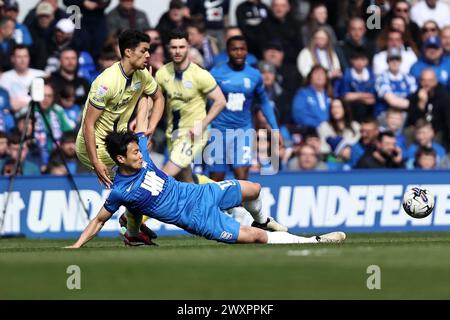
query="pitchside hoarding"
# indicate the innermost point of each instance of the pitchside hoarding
(357, 201)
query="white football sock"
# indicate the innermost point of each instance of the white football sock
(133, 224)
(254, 207)
(285, 238)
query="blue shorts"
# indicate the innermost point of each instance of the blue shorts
(229, 148)
(206, 216)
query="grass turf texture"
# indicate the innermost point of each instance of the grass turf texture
(413, 266)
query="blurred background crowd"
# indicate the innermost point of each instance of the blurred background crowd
(354, 83)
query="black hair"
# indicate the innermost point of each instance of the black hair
(70, 136)
(14, 138)
(235, 38)
(19, 47)
(383, 134)
(358, 53)
(426, 151)
(3, 134)
(117, 143)
(176, 4)
(130, 39)
(178, 34)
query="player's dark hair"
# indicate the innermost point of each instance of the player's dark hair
(117, 143)
(178, 34)
(235, 38)
(130, 39)
(3, 135)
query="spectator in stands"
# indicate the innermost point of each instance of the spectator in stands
(424, 134)
(66, 99)
(126, 16)
(395, 121)
(431, 102)
(206, 45)
(32, 16)
(339, 126)
(273, 89)
(357, 86)
(394, 40)
(425, 159)
(107, 58)
(56, 167)
(386, 154)
(431, 10)
(445, 39)
(429, 29)
(18, 80)
(287, 78)
(6, 117)
(67, 145)
(318, 17)
(62, 38)
(369, 131)
(282, 26)
(214, 14)
(21, 33)
(250, 14)
(94, 32)
(311, 105)
(42, 30)
(156, 59)
(399, 24)
(7, 43)
(432, 59)
(393, 87)
(67, 75)
(402, 9)
(172, 19)
(26, 167)
(319, 51)
(222, 56)
(355, 40)
(56, 118)
(306, 159)
(155, 36)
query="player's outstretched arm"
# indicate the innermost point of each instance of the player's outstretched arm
(94, 226)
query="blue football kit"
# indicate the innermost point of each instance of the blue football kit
(234, 124)
(194, 208)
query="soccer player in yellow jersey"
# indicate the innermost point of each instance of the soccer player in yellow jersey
(186, 87)
(111, 101)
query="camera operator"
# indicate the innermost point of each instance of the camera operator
(386, 154)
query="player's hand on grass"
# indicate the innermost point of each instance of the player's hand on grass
(103, 175)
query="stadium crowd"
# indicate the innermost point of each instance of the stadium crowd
(348, 92)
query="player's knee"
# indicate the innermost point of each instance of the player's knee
(256, 189)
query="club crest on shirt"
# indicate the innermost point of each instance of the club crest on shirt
(137, 86)
(187, 84)
(247, 83)
(101, 91)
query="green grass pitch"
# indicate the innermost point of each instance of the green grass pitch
(412, 265)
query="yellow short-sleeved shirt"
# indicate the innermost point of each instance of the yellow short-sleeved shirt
(117, 95)
(186, 94)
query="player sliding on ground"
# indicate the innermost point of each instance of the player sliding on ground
(144, 189)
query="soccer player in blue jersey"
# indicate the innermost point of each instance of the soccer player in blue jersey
(232, 133)
(143, 188)
(241, 84)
